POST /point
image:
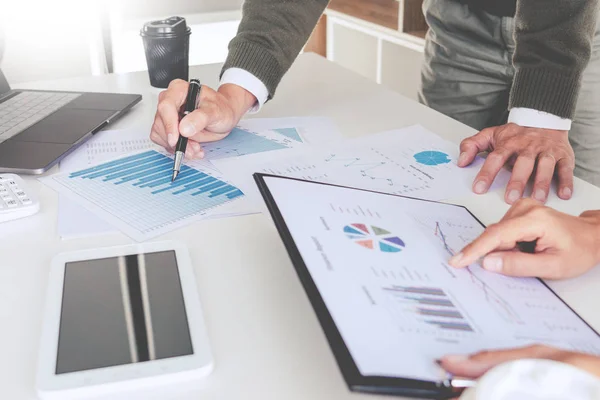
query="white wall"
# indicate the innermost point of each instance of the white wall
(48, 39)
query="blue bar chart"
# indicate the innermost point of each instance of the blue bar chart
(239, 143)
(135, 193)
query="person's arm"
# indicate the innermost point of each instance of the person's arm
(553, 47)
(270, 37)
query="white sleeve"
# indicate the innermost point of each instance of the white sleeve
(531, 118)
(251, 83)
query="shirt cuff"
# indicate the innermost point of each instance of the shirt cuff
(531, 118)
(248, 81)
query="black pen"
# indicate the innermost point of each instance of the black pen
(188, 107)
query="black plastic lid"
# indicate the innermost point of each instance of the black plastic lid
(170, 27)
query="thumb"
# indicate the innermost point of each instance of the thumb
(517, 263)
(471, 146)
(194, 122)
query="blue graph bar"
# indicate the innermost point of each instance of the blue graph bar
(235, 194)
(112, 163)
(197, 184)
(221, 191)
(135, 171)
(208, 188)
(104, 172)
(135, 190)
(238, 143)
(182, 180)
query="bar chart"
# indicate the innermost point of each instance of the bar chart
(420, 308)
(240, 142)
(136, 195)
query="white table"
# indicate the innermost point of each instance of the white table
(266, 339)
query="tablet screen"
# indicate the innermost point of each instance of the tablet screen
(122, 310)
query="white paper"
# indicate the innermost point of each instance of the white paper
(135, 193)
(380, 264)
(411, 162)
(279, 133)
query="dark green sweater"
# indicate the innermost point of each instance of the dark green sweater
(554, 41)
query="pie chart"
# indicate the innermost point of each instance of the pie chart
(432, 157)
(374, 238)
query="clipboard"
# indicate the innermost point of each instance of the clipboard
(444, 388)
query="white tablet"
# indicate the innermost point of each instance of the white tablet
(119, 319)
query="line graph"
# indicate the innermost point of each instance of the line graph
(365, 167)
(491, 296)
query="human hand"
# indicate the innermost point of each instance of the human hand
(565, 246)
(542, 152)
(217, 114)
(474, 366)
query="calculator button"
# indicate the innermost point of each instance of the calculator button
(6, 197)
(12, 183)
(3, 190)
(26, 201)
(11, 203)
(20, 193)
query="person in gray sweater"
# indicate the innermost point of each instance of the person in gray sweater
(512, 69)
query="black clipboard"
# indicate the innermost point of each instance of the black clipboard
(354, 379)
(442, 389)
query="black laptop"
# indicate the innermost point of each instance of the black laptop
(39, 128)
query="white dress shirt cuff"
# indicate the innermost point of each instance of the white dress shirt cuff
(248, 81)
(531, 118)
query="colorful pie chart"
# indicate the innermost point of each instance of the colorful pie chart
(374, 238)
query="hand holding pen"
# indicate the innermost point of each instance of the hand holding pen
(216, 114)
(189, 106)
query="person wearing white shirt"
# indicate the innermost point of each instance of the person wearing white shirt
(512, 69)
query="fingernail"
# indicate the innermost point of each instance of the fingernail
(455, 259)
(187, 129)
(462, 158)
(480, 187)
(540, 195)
(513, 196)
(492, 264)
(455, 358)
(172, 140)
(566, 192)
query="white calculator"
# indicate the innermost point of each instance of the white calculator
(16, 201)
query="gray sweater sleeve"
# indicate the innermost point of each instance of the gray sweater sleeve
(554, 42)
(270, 37)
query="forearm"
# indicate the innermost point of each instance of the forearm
(271, 35)
(553, 47)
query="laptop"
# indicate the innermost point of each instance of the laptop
(39, 128)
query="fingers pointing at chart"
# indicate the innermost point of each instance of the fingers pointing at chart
(564, 246)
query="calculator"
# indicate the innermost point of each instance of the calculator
(16, 201)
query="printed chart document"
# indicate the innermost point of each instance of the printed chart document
(379, 263)
(411, 162)
(251, 136)
(135, 193)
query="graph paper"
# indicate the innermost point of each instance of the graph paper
(135, 193)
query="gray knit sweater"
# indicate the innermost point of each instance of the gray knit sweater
(554, 41)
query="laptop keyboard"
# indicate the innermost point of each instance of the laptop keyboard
(27, 108)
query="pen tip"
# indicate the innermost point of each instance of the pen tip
(174, 176)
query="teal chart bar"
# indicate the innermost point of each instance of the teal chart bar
(239, 143)
(137, 191)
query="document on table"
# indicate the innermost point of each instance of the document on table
(411, 162)
(135, 193)
(379, 263)
(257, 136)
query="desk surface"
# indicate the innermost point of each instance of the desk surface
(266, 339)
